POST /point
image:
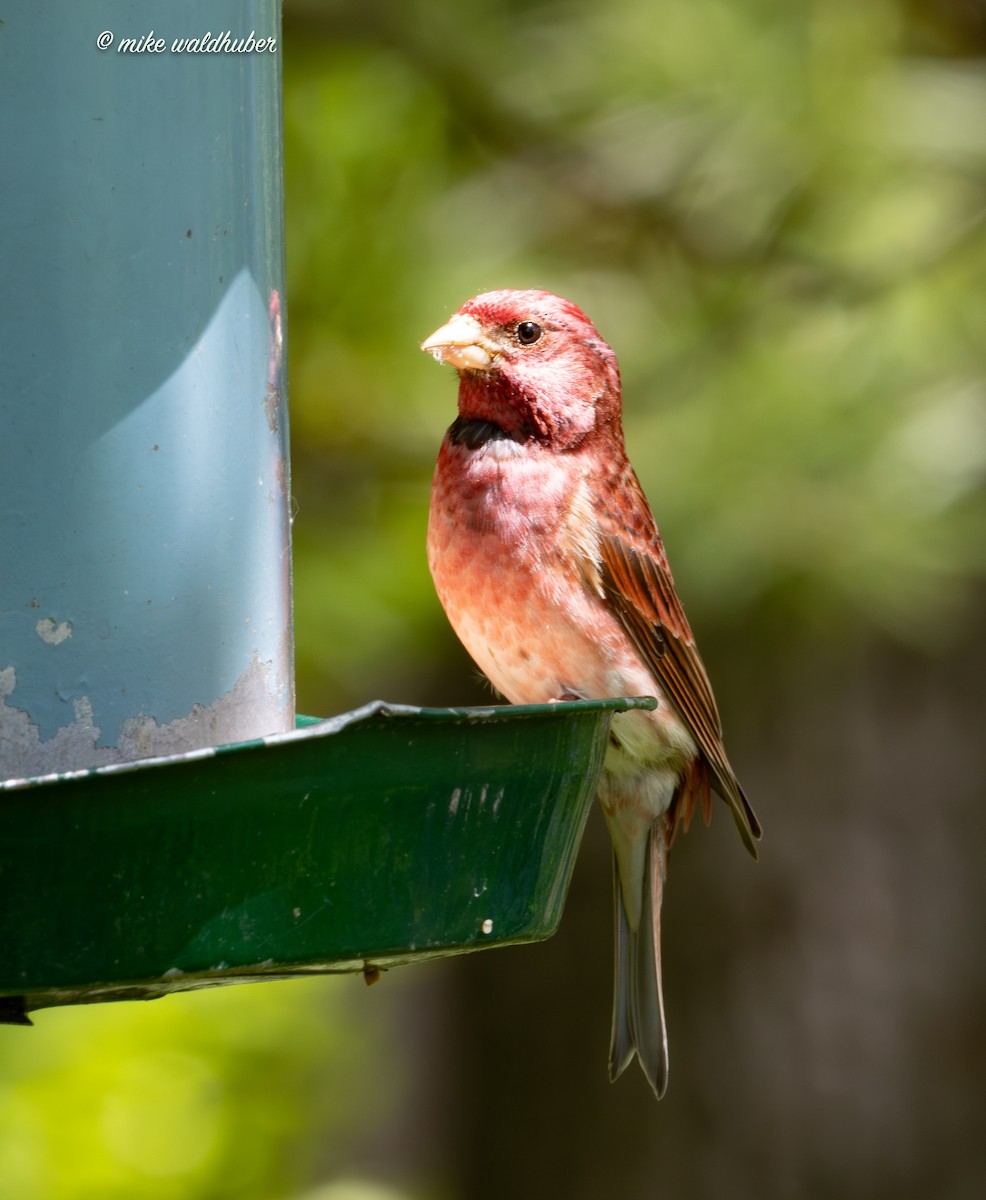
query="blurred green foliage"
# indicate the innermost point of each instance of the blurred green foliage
(776, 214)
(203, 1095)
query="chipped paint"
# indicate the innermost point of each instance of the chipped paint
(162, 623)
(53, 634)
(23, 753)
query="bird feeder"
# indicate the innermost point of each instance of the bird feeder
(166, 821)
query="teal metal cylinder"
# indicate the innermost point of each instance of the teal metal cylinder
(145, 603)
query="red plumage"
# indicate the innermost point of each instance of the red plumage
(552, 572)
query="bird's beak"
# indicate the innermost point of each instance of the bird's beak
(462, 344)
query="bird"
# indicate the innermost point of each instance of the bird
(550, 568)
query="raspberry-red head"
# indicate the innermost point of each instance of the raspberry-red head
(533, 364)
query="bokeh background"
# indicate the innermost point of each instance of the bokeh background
(776, 214)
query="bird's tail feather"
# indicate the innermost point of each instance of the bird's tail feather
(638, 998)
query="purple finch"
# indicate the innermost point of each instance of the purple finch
(549, 565)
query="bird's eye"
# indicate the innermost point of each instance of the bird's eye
(528, 332)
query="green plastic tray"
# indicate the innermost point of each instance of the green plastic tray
(379, 837)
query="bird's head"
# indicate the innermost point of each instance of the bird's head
(533, 365)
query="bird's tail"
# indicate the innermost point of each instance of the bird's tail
(638, 999)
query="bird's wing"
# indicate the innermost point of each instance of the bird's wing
(638, 587)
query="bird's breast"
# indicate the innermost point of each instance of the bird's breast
(511, 546)
(507, 507)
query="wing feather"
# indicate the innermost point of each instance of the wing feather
(637, 584)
